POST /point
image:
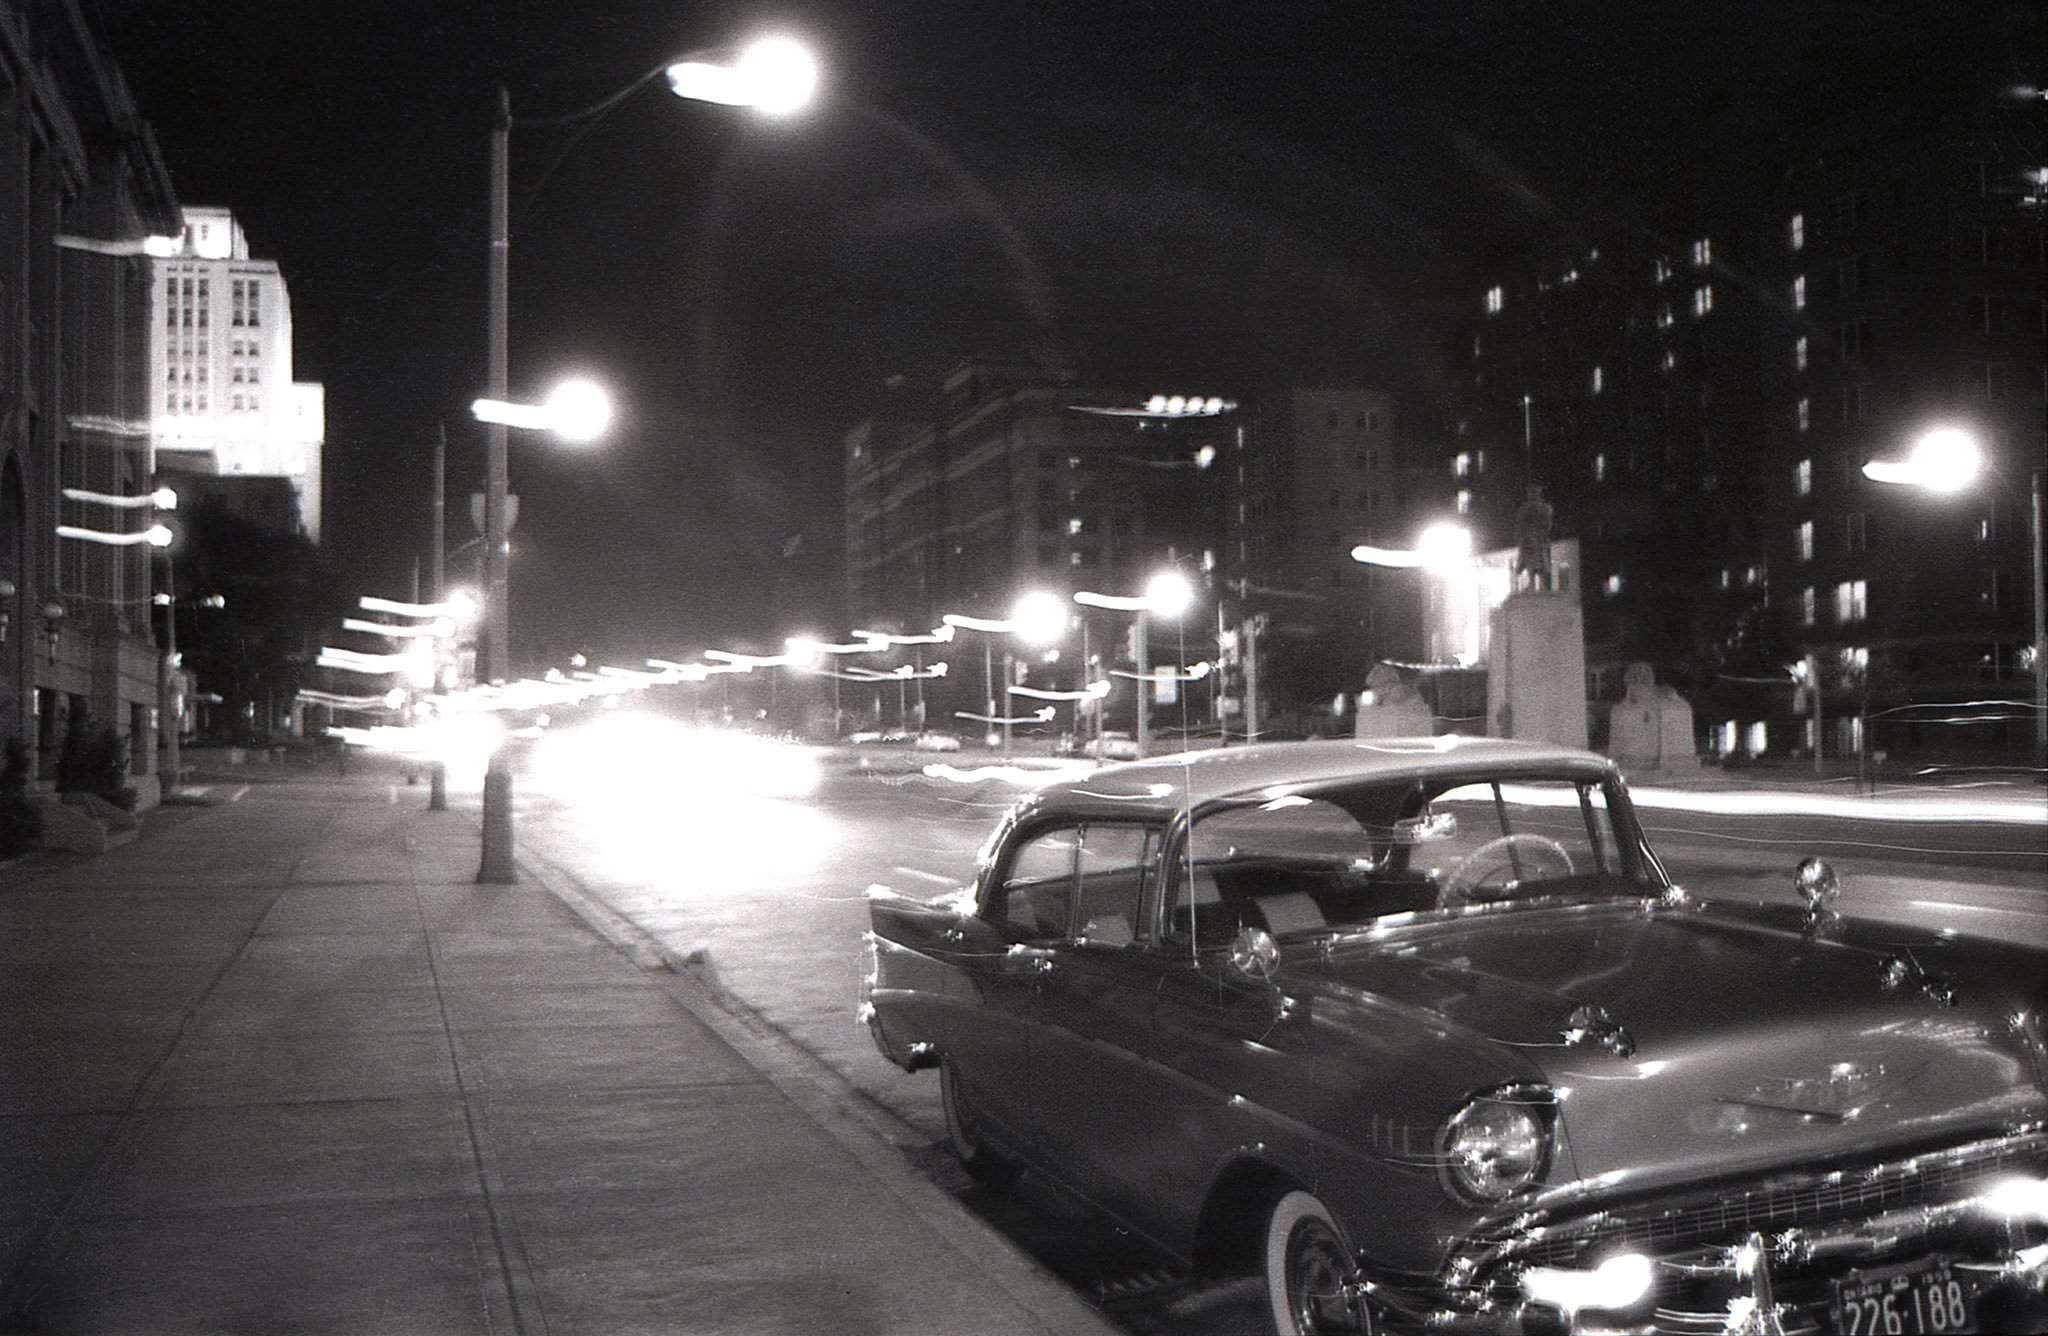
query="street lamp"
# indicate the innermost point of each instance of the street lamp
(775, 77)
(1444, 549)
(1945, 460)
(1038, 619)
(1167, 594)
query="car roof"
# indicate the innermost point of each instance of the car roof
(1164, 785)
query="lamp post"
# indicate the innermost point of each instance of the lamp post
(1948, 459)
(1167, 594)
(1445, 550)
(774, 76)
(1036, 618)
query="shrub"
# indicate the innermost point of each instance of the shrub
(95, 760)
(20, 821)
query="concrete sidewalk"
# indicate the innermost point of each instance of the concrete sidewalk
(281, 1066)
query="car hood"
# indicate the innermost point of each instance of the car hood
(1718, 1037)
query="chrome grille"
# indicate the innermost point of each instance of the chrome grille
(1665, 1224)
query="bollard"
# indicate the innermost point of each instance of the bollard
(437, 787)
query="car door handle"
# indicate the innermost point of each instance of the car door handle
(1022, 959)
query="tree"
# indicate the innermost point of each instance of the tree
(280, 596)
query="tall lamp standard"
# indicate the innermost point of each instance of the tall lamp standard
(1167, 594)
(775, 76)
(1948, 459)
(1037, 618)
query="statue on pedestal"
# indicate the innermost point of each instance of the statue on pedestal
(1533, 519)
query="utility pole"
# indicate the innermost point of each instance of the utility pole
(1252, 627)
(436, 554)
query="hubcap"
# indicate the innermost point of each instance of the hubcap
(1316, 1272)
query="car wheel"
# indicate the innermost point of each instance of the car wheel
(1307, 1268)
(965, 1136)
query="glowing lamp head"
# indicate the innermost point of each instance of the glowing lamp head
(160, 535)
(464, 606)
(1039, 618)
(1168, 594)
(778, 75)
(164, 498)
(1444, 546)
(579, 410)
(1946, 459)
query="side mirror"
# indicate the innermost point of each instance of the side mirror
(1254, 953)
(1426, 829)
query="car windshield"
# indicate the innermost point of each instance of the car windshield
(1336, 858)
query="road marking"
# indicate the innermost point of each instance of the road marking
(237, 795)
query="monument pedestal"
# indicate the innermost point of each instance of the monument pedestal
(1536, 671)
(1390, 708)
(1652, 728)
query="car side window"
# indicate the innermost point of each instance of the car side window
(1035, 899)
(1115, 860)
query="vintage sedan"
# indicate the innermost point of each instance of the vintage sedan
(1422, 1031)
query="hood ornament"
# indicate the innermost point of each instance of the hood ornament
(1590, 1026)
(1819, 887)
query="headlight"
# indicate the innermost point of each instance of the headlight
(1499, 1143)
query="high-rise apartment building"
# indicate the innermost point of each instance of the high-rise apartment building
(1697, 372)
(225, 403)
(1005, 479)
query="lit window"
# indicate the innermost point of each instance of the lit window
(1851, 601)
(1663, 268)
(1599, 379)
(1799, 353)
(1805, 413)
(1799, 292)
(1702, 253)
(1703, 299)
(1464, 501)
(1727, 578)
(1599, 468)
(1752, 576)
(1756, 738)
(1073, 558)
(1798, 231)
(1663, 315)
(1613, 585)
(1073, 524)
(1493, 301)
(1802, 540)
(1461, 464)
(1807, 606)
(1670, 359)
(1802, 477)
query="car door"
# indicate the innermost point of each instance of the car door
(1007, 948)
(1091, 1090)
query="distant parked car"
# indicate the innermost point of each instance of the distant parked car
(1422, 1033)
(937, 742)
(1112, 747)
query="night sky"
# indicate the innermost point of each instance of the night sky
(1185, 196)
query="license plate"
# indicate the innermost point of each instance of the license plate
(1924, 1298)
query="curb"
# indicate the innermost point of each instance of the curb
(874, 1136)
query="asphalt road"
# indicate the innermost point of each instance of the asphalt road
(772, 892)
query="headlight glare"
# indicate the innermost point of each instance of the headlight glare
(1618, 1283)
(1498, 1144)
